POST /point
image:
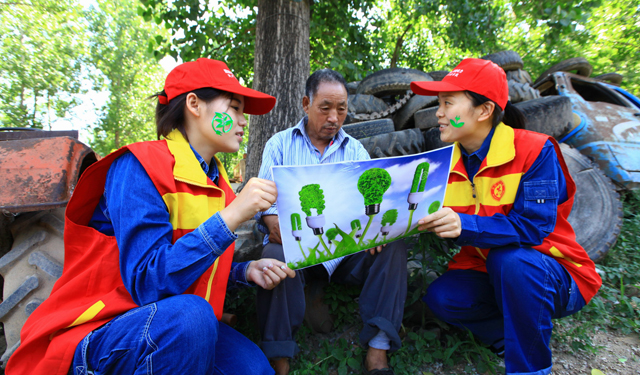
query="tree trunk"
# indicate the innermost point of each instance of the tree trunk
(281, 66)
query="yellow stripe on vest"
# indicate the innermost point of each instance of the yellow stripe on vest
(213, 272)
(188, 211)
(459, 194)
(558, 254)
(89, 314)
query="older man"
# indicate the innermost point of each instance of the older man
(319, 139)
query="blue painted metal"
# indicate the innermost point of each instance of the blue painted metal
(609, 130)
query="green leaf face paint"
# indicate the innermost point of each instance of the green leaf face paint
(221, 123)
(455, 123)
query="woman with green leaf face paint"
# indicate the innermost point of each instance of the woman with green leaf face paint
(507, 204)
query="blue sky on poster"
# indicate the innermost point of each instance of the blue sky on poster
(344, 202)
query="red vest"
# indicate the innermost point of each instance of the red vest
(90, 291)
(511, 154)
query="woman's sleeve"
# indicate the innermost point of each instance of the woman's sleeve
(533, 215)
(151, 267)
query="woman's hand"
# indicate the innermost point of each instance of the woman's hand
(445, 223)
(257, 195)
(268, 273)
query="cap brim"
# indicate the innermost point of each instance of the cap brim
(432, 88)
(255, 102)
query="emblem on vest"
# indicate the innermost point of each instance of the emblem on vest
(497, 190)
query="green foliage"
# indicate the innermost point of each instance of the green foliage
(372, 184)
(43, 48)
(420, 177)
(389, 217)
(295, 221)
(122, 65)
(225, 30)
(434, 206)
(311, 196)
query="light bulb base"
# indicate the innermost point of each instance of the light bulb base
(317, 231)
(372, 209)
(385, 230)
(298, 238)
(358, 235)
(315, 221)
(413, 206)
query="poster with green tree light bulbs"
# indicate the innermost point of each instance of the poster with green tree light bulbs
(327, 211)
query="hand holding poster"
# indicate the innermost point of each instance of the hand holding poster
(327, 211)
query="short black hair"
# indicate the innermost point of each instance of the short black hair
(320, 76)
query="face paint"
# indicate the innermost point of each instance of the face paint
(221, 123)
(455, 123)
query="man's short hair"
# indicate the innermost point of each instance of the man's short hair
(320, 76)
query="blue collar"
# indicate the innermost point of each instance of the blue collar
(339, 138)
(482, 152)
(211, 169)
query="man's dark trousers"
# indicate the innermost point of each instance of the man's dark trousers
(383, 277)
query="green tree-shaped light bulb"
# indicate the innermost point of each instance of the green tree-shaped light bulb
(312, 198)
(433, 207)
(417, 189)
(388, 219)
(372, 184)
(355, 225)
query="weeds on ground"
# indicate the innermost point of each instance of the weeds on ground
(617, 304)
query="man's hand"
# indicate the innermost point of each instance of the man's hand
(445, 223)
(268, 273)
(271, 221)
(257, 195)
(376, 249)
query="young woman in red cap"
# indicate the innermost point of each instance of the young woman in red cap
(149, 246)
(508, 198)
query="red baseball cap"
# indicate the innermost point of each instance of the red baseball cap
(477, 75)
(215, 74)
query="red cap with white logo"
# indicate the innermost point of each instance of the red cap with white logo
(477, 75)
(216, 74)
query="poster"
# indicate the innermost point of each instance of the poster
(327, 211)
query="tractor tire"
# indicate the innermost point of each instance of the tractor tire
(520, 92)
(399, 143)
(392, 81)
(597, 214)
(30, 269)
(371, 128)
(507, 60)
(362, 103)
(352, 87)
(438, 75)
(578, 64)
(550, 115)
(519, 75)
(426, 119)
(403, 119)
(432, 140)
(612, 78)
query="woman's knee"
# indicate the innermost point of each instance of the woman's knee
(190, 317)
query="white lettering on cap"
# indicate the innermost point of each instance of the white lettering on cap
(455, 72)
(229, 73)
